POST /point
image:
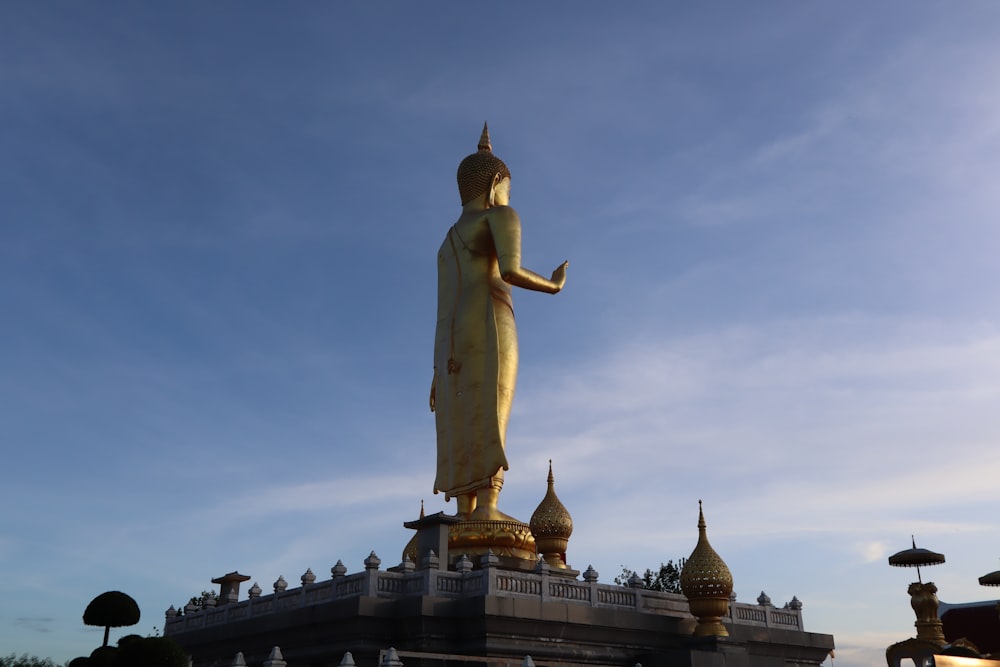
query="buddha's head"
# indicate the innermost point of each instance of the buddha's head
(480, 172)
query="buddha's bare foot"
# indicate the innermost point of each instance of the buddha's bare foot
(466, 505)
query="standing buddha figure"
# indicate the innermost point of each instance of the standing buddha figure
(475, 343)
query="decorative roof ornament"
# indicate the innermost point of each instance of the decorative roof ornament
(410, 550)
(707, 583)
(552, 526)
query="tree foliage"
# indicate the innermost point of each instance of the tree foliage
(666, 579)
(113, 609)
(25, 660)
(199, 600)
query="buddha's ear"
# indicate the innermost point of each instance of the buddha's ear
(497, 177)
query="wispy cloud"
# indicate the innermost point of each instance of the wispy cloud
(41, 624)
(886, 414)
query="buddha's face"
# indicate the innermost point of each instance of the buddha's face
(501, 192)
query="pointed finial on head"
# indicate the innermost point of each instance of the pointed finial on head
(551, 478)
(421, 508)
(701, 517)
(484, 139)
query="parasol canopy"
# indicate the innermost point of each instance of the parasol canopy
(991, 579)
(915, 557)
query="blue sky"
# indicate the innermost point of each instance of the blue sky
(218, 225)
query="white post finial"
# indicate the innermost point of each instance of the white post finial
(275, 659)
(391, 659)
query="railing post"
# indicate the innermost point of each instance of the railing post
(590, 575)
(429, 564)
(369, 585)
(488, 569)
(542, 570)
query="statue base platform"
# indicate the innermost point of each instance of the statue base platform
(504, 537)
(508, 539)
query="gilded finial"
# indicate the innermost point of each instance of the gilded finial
(706, 582)
(552, 526)
(484, 139)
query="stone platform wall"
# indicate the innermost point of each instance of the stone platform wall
(405, 581)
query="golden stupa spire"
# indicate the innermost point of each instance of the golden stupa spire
(552, 526)
(707, 583)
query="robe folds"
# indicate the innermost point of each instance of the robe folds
(475, 344)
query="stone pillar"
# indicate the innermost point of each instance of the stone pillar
(432, 535)
(229, 587)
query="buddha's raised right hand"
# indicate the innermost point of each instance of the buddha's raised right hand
(559, 275)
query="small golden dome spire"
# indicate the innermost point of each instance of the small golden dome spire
(421, 508)
(707, 583)
(552, 526)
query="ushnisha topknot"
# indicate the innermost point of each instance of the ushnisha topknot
(476, 172)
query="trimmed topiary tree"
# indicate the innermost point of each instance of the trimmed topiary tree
(103, 656)
(113, 609)
(152, 652)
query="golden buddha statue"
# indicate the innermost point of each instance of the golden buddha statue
(475, 344)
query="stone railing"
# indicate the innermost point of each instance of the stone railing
(406, 580)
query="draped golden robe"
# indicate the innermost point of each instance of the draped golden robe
(475, 361)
